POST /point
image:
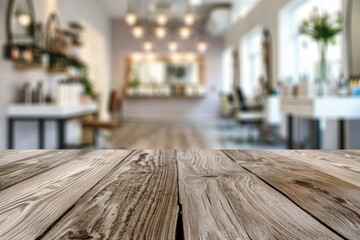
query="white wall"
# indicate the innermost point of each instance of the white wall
(96, 52)
(169, 109)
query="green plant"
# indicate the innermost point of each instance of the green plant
(85, 80)
(322, 28)
(135, 81)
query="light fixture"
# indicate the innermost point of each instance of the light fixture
(190, 57)
(136, 56)
(138, 32)
(202, 46)
(148, 46)
(175, 57)
(189, 19)
(24, 19)
(160, 32)
(131, 18)
(185, 32)
(173, 46)
(161, 19)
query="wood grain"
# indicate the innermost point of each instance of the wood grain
(29, 208)
(335, 163)
(137, 200)
(221, 200)
(10, 156)
(334, 202)
(20, 170)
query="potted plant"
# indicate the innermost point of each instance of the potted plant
(323, 29)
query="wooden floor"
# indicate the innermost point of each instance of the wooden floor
(179, 194)
(221, 134)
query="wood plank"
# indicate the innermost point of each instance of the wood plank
(222, 200)
(334, 202)
(20, 170)
(9, 156)
(29, 208)
(354, 153)
(337, 164)
(137, 200)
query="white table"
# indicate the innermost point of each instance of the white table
(316, 109)
(46, 112)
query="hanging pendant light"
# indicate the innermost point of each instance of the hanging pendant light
(202, 46)
(148, 46)
(131, 18)
(160, 32)
(189, 18)
(173, 46)
(161, 18)
(185, 32)
(138, 32)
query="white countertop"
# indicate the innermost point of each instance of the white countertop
(346, 108)
(49, 110)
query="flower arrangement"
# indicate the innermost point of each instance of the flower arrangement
(323, 29)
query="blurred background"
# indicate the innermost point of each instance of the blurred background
(213, 74)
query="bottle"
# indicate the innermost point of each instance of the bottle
(40, 93)
(27, 93)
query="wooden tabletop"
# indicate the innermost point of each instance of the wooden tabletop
(179, 194)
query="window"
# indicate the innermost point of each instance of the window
(241, 8)
(299, 54)
(228, 71)
(251, 62)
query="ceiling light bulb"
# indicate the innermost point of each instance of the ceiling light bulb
(131, 18)
(202, 46)
(173, 46)
(189, 19)
(160, 32)
(162, 19)
(138, 32)
(136, 56)
(148, 46)
(24, 19)
(175, 57)
(185, 32)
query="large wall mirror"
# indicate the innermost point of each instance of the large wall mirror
(20, 22)
(180, 74)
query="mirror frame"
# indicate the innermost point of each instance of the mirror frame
(9, 14)
(166, 58)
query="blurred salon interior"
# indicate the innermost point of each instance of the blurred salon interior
(180, 74)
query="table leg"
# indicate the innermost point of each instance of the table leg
(342, 141)
(41, 134)
(316, 134)
(10, 129)
(61, 133)
(290, 121)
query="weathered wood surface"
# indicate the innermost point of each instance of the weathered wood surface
(334, 202)
(336, 163)
(10, 156)
(29, 208)
(137, 194)
(23, 169)
(137, 200)
(221, 200)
